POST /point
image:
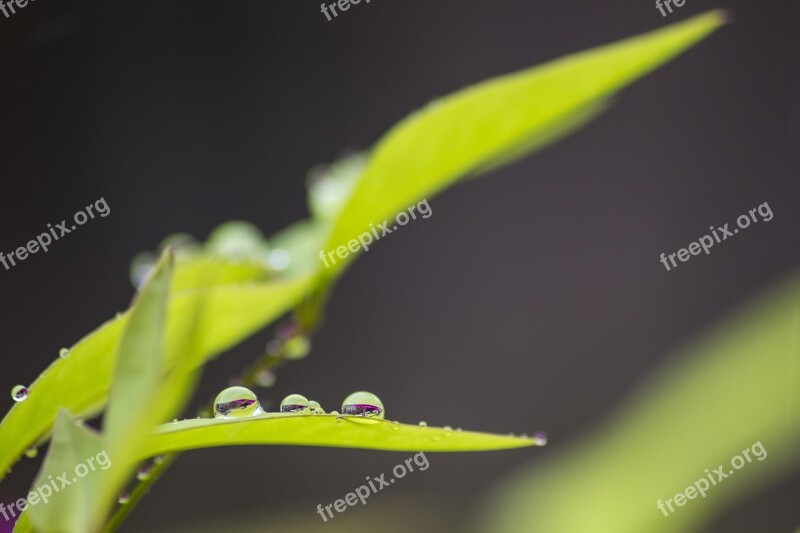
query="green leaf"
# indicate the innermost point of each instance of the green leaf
(320, 430)
(80, 382)
(735, 386)
(140, 363)
(67, 510)
(499, 120)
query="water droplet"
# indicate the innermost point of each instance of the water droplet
(315, 408)
(334, 413)
(236, 239)
(63, 353)
(31, 452)
(141, 266)
(423, 424)
(143, 473)
(265, 378)
(236, 402)
(447, 428)
(296, 347)
(274, 347)
(363, 404)
(295, 403)
(19, 393)
(158, 459)
(124, 498)
(458, 429)
(540, 438)
(279, 259)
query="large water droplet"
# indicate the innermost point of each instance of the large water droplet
(296, 347)
(63, 353)
(265, 378)
(315, 408)
(363, 404)
(295, 403)
(19, 393)
(124, 498)
(31, 452)
(236, 402)
(540, 438)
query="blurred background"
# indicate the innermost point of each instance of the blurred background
(532, 299)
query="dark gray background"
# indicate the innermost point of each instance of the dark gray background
(532, 298)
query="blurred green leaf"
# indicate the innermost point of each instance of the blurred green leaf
(69, 509)
(320, 430)
(499, 120)
(737, 385)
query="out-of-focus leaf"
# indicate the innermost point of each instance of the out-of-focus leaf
(492, 122)
(68, 510)
(737, 385)
(320, 430)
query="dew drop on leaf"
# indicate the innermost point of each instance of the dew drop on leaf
(423, 424)
(19, 393)
(540, 438)
(236, 402)
(363, 404)
(63, 353)
(143, 473)
(124, 498)
(295, 403)
(31, 452)
(315, 408)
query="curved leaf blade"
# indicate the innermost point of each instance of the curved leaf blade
(498, 120)
(320, 430)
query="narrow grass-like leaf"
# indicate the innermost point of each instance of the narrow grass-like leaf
(321, 430)
(491, 122)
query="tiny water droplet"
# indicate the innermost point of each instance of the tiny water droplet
(363, 404)
(236, 402)
(315, 408)
(31, 452)
(124, 498)
(265, 378)
(183, 244)
(143, 473)
(296, 347)
(423, 424)
(540, 438)
(447, 428)
(174, 420)
(19, 393)
(158, 459)
(274, 347)
(279, 259)
(63, 353)
(334, 413)
(295, 403)
(458, 429)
